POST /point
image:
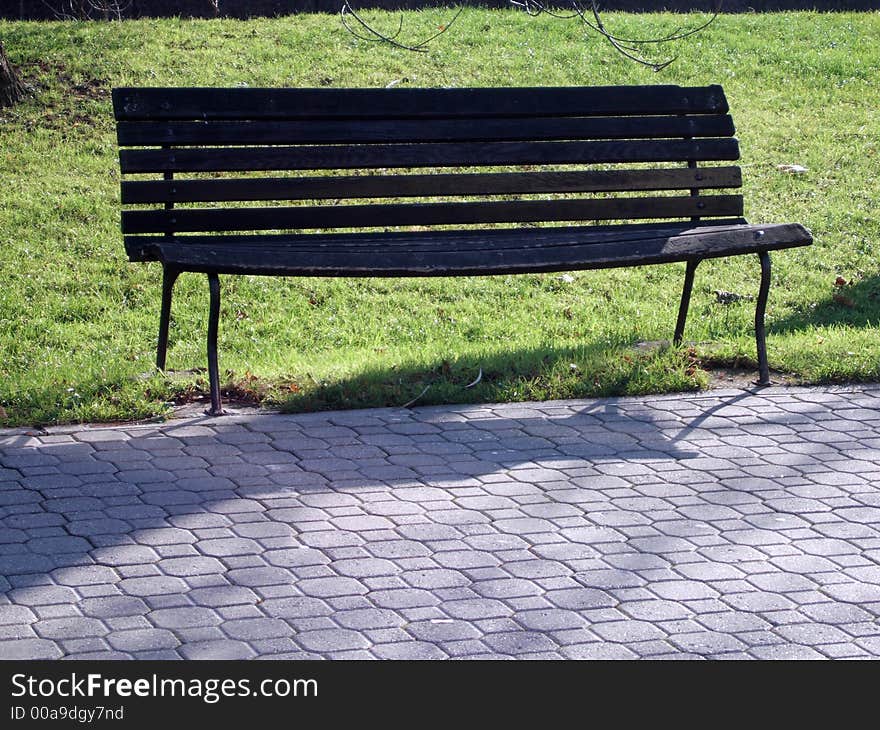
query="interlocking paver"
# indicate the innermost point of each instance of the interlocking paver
(718, 525)
(142, 640)
(112, 607)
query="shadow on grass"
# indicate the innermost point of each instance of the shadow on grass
(849, 305)
(538, 374)
(597, 369)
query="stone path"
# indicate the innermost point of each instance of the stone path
(726, 525)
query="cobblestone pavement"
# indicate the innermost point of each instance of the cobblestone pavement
(726, 524)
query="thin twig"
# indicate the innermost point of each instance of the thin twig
(629, 52)
(409, 403)
(378, 37)
(535, 8)
(624, 46)
(677, 34)
(476, 380)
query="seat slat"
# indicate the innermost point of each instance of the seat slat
(475, 239)
(427, 214)
(566, 254)
(133, 104)
(443, 130)
(393, 186)
(323, 157)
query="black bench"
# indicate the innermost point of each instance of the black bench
(437, 182)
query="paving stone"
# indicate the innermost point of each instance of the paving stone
(58, 611)
(785, 651)
(609, 578)
(628, 632)
(401, 598)
(837, 613)
(115, 555)
(409, 650)
(61, 544)
(733, 622)
(597, 651)
(85, 575)
(190, 566)
(30, 649)
(217, 650)
(438, 578)
(183, 617)
(440, 630)
(153, 586)
(812, 634)
(73, 627)
(223, 595)
(655, 610)
(43, 595)
(476, 608)
(683, 590)
(332, 587)
(331, 640)
(12, 614)
(107, 607)
(853, 592)
(549, 619)
(580, 598)
(252, 629)
(222, 547)
(163, 536)
(143, 640)
(296, 607)
(259, 577)
(707, 642)
(369, 618)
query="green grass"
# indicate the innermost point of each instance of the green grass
(77, 321)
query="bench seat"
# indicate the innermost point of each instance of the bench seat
(463, 253)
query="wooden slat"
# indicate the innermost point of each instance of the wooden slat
(472, 239)
(427, 214)
(227, 159)
(442, 130)
(133, 104)
(393, 186)
(566, 253)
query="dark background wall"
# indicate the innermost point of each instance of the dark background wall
(52, 9)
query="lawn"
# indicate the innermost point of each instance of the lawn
(78, 322)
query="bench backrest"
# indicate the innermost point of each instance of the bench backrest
(379, 158)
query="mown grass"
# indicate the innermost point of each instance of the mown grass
(77, 321)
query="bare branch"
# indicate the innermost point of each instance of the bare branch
(378, 37)
(677, 34)
(85, 9)
(535, 8)
(621, 45)
(590, 17)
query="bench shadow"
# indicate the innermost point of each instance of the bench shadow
(856, 305)
(590, 370)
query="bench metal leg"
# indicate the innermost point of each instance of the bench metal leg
(760, 333)
(685, 300)
(169, 276)
(213, 368)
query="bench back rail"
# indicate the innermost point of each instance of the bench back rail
(364, 159)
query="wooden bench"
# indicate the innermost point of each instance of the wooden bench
(434, 182)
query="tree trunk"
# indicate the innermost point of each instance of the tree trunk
(11, 88)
